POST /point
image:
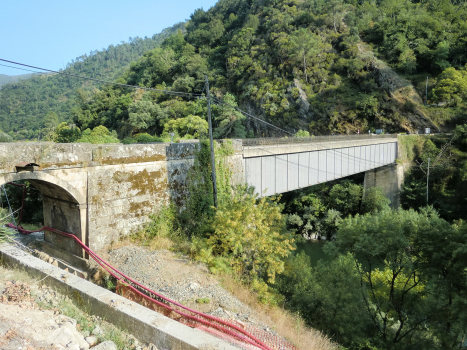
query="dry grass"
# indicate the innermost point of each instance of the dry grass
(286, 324)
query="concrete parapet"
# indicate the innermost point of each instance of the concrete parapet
(146, 325)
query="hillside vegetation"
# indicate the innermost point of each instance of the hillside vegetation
(322, 66)
(24, 104)
(5, 79)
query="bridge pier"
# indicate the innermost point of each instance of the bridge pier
(389, 178)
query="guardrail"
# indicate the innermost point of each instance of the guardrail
(312, 139)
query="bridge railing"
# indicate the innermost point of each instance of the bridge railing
(312, 139)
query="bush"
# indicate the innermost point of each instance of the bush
(163, 229)
(5, 137)
(142, 138)
(100, 134)
(249, 237)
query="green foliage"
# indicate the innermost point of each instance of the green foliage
(6, 233)
(249, 238)
(228, 120)
(144, 114)
(142, 138)
(319, 210)
(451, 86)
(409, 300)
(447, 191)
(32, 210)
(374, 201)
(329, 296)
(100, 134)
(25, 103)
(199, 208)
(302, 133)
(65, 133)
(252, 234)
(345, 197)
(5, 137)
(163, 223)
(189, 127)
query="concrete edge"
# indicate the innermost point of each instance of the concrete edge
(146, 325)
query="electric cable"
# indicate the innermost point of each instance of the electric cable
(177, 93)
(217, 101)
(27, 70)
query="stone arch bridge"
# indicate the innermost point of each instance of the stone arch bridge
(102, 192)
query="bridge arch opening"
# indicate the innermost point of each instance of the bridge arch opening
(63, 208)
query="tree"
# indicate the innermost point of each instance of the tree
(65, 133)
(374, 200)
(345, 197)
(329, 296)
(251, 234)
(5, 137)
(229, 120)
(144, 114)
(410, 290)
(51, 120)
(451, 86)
(305, 44)
(100, 134)
(191, 126)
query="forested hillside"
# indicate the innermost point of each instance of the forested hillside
(335, 66)
(5, 79)
(24, 104)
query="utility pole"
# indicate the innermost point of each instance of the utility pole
(211, 141)
(426, 93)
(427, 180)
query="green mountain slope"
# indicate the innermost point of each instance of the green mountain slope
(24, 104)
(300, 64)
(5, 79)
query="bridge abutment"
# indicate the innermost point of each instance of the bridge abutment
(389, 178)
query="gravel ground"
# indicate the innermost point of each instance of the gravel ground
(176, 277)
(181, 280)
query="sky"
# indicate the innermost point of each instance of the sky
(50, 33)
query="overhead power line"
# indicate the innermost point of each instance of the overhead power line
(349, 156)
(27, 70)
(217, 101)
(177, 93)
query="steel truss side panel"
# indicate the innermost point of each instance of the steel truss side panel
(393, 152)
(303, 174)
(385, 156)
(372, 157)
(314, 168)
(293, 171)
(378, 155)
(353, 164)
(345, 161)
(322, 166)
(331, 167)
(360, 152)
(253, 173)
(367, 156)
(281, 173)
(338, 160)
(268, 175)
